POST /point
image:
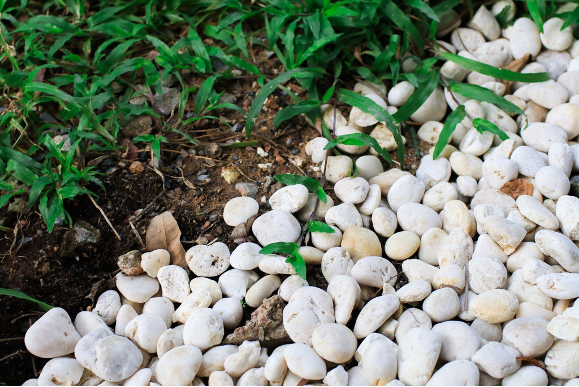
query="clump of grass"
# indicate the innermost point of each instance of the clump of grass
(80, 64)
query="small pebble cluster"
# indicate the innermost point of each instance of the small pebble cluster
(485, 236)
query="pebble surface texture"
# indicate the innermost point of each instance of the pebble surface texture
(464, 272)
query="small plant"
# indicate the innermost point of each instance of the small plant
(292, 251)
(311, 184)
(49, 183)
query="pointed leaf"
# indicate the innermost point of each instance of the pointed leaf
(262, 96)
(370, 107)
(280, 248)
(294, 110)
(417, 99)
(316, 226)
(483, 94)
(359, 139)
(494, 71)
(15, 293)
(311, 184)
(487, 126)
(203, 94)
(449, 126)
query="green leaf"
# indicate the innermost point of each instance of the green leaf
(368, 75)
(452, 120)
(403, 22)
(144, 138)
(424, 8)
(280, 248)
(572, 18)
(240, 39)
(502, 16)
(492, 71)
(298, 263)
(17, 294)
(316, 226)
(315, 47)
(203, 94)
(385, 57)
(242, 144)
(163, 49)
(199, 47)
(311, 184)
(417, 99)
(487, 126)
(244, 65)
(6, 197)
(186, 136)
(37, 188)
(262, 96)
(11, 154)
(5, 186)
(483, 94)
(536, 8)
(20, 172)
(370, 107)
(294, 110)
(359, 139)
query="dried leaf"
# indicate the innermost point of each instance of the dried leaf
(517, 188)
(164, 233)
(515, 65)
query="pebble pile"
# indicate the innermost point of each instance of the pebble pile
(486, 236)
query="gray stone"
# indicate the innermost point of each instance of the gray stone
(80, 235)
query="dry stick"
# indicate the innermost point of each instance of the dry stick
(104, 216)
(137, 234)
(11, 339)
(149, 206)
(19, 352)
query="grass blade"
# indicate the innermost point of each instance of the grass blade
(359, 139)
(571, 19)
(487, 126)
(203, 94)
(15, 293)
(494, 71)
(240, 39)
(424, 8)
(280, 248)
(294, 110)
(417, 98)
(10, 154)
(449, 126)
(311, 184)
(537, 10)
(316, 226)
(403, 22)
(244, 65)
(262, 95)
(370, 107)
(483, 94)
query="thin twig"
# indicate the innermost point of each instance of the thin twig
(104, 216)
(19, 352)
(137, 234)
(149, 206)
(11, 339)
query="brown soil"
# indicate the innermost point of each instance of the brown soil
(31, 259)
